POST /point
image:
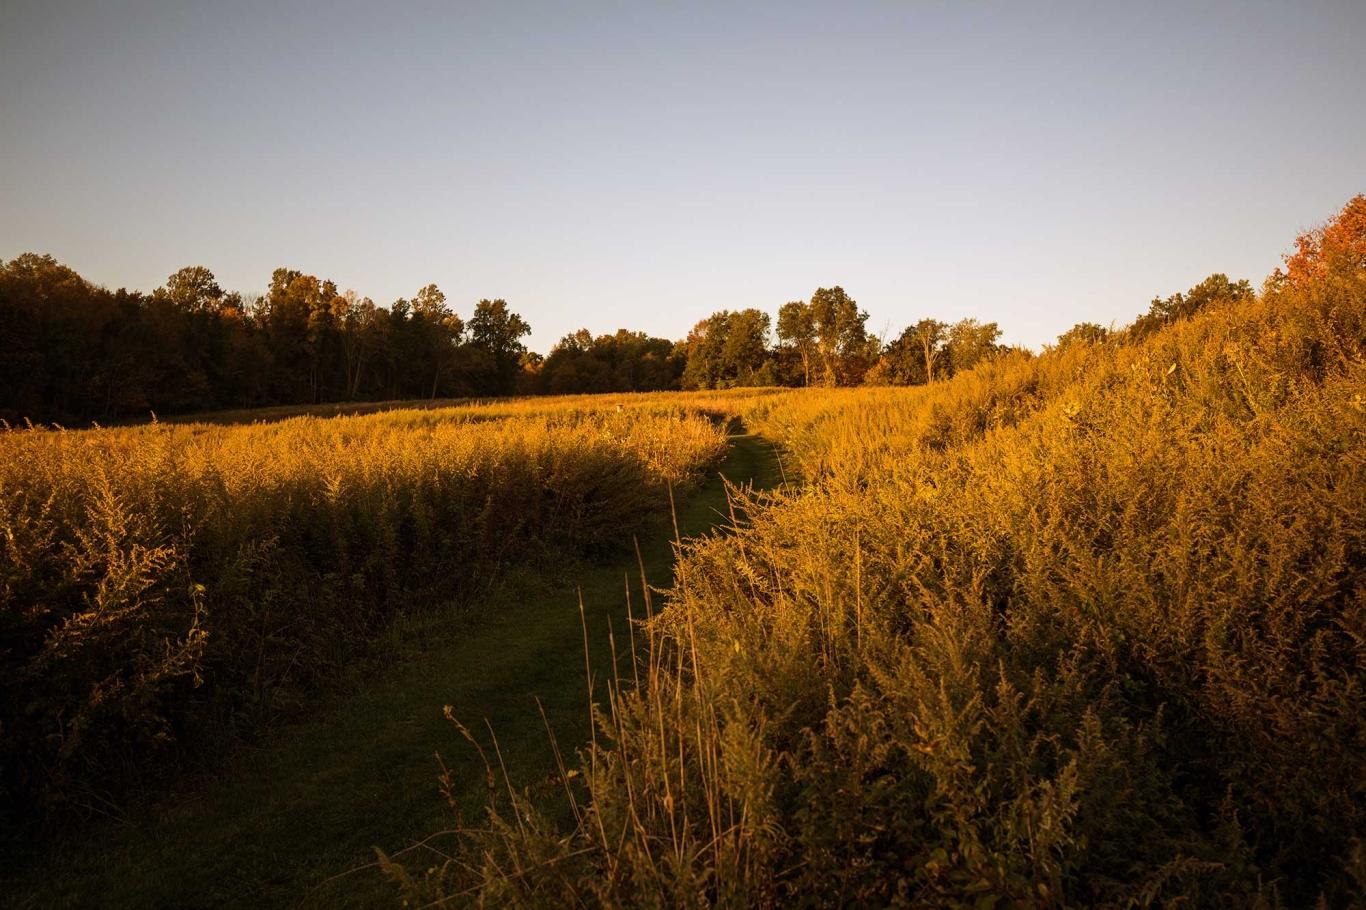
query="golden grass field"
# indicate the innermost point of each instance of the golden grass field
(1081, 628)
(169, 583)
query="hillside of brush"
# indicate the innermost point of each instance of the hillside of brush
(1080, 629)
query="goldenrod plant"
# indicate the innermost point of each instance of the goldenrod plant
(167, 587)
(1086, 628)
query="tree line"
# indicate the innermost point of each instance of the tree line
(72, 351)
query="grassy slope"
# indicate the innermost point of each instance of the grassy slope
(282, 820)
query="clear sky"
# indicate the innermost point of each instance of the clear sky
(643, 164)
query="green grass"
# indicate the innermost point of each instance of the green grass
(294, 819)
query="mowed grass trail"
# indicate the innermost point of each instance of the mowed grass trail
(294, 821)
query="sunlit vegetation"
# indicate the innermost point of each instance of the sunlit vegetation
(1082, 627)
(1086, 628)
(167, 587)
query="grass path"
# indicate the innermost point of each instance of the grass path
(283, 819)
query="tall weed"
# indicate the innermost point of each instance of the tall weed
(1081, 629)
(163, 588)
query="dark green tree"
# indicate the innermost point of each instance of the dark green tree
(496, 333)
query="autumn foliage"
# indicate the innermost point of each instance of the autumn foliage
(1338, 246)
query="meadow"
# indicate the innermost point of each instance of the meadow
(169, 588)
(1080, 629)
(1085, 627)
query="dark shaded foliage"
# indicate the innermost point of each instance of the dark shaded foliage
(72, 352)
(622, 362)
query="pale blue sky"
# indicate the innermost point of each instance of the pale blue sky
(643, 164)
